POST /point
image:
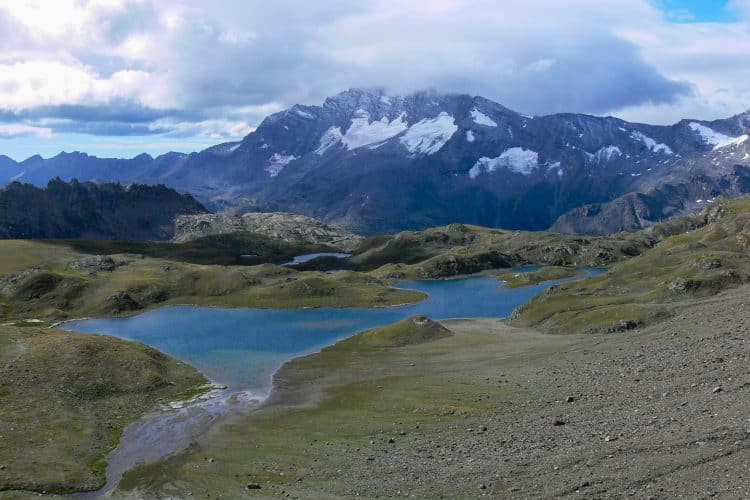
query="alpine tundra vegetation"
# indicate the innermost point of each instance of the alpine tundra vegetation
(368, 249)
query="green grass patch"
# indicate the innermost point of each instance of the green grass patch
(241, 248)
(65, 399)
(68, 285)
(701, 260)
(514, 279)
(411, 383)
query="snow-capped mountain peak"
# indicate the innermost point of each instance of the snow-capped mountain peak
(378, 162)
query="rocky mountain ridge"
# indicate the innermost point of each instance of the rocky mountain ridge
(95, 211)
(376, 163)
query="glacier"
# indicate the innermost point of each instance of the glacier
(428, 136)
(362, 131)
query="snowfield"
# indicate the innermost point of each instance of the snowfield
(714, 138)
(518, 160)
(605, 154)
(482, 119)
(362, 131)
(331, 137)
(429, 135)
(304, 114)
(277, 163)
(650, 143)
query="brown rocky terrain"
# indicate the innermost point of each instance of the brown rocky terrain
(282, 226)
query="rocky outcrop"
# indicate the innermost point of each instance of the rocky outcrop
(279, 226)
(631, 212)
(96, 263)
(447, 265)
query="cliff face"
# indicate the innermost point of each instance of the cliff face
(87, 210)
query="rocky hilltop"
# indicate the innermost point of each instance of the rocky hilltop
(280, 226)
(96, 211)
(377, 163)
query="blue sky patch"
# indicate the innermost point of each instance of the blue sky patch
(697, 11)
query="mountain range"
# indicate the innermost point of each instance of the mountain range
(375, 163)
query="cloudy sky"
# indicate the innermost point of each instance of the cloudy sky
(121, 77)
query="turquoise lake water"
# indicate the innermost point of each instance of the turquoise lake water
(242, 347)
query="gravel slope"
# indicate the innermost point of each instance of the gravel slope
(662, 412)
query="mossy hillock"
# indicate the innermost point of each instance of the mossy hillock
(708, 256)
(65, 398)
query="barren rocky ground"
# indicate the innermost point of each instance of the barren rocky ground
(661, 412)
(283, 226)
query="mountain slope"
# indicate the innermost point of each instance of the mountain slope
(372, 162)
(87, 210)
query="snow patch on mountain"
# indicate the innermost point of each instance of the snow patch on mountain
(277, 163)
(604, 154)
(362, 131)
(518, 160)
(429, 135)
(650, 143)
(482, 119)
(304, 114)
(330, 137)
(556, 166)
(736, 142)
(470, 136)
(714, 138)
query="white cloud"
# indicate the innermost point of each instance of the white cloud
(237, 37)
(219, 130)
(19, 129)
(711, 56)
(34, 83)
(216, 69)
